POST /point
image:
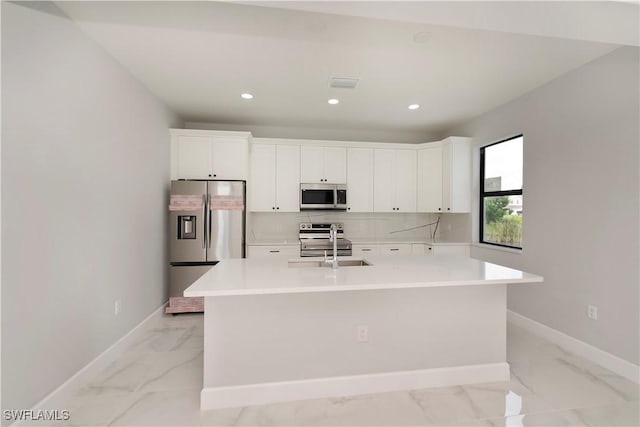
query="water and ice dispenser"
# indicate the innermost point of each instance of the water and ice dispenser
(186, 227)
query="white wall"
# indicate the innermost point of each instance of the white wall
(85, 169)
(581, 200)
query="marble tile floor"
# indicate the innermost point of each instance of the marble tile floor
(158, 382)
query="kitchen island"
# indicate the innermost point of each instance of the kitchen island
(278, 330)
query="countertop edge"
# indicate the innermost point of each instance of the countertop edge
(276, 291)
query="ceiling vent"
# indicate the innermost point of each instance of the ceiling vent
(343, 82)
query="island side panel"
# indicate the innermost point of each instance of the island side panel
(270, 338)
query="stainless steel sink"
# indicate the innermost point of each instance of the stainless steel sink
(319, 263)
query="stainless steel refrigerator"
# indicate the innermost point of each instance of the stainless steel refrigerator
(207, 224)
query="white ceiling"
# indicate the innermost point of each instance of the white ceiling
(198, 57)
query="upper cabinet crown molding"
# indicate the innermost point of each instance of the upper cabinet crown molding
(206, 132)
(329, 143)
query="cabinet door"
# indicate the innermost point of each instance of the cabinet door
(463, 250)
(364, 250)
(288, 178)
(273, 252)
(335, 165)
(311, 164)
(383, 179)
(405, 180)
(360, 180)
(429, 184)
(193, 157)
(417, 249)
(399, 249)
(229, 157)
(262, 185)
(458, 197)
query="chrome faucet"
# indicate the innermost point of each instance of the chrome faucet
(333, 237)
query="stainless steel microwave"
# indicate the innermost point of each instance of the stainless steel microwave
(323, 197)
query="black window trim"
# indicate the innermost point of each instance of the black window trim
(484, 194)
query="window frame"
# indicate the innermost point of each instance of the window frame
(484, 194)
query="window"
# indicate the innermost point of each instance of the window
(501, 198)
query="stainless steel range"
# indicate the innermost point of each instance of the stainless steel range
(314, 240)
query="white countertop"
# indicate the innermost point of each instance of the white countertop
(274, 276)
(274, 242)
(355, 241)
(400, 240)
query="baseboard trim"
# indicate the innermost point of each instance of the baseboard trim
(316, 388)
(59, 396)
(614, 363)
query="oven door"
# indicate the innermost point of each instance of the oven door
(317, 196)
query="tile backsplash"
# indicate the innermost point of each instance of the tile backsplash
(376, 226)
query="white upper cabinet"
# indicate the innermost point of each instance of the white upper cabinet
(456, 175)
(193, 157)
(274, 182)
(394, 180)
(444, 176)
(262, 178)
(429, 183)
(323, 164)
(288, 178)
(405, 180)
(202, 154)
(360, 179)
(383, 197)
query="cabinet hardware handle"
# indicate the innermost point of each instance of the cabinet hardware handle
(366, 250)
(394, 249)
(273, 207)
(448, 209)
(278, 208)
(274, 252)
(439, 209)
(348, 209)
(209, 175)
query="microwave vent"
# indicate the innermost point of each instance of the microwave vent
(343, 82)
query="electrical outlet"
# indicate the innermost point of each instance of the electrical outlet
(117, 307)
(592, 312)
(363, 333)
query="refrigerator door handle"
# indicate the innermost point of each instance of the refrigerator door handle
(209, 219)
(204, 220)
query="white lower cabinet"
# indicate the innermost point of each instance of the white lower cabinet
(364, 250)
(395, 249)
(462, 249)
(276, 251)
(418, 249)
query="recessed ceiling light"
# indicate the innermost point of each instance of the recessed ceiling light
(333, 101)
(246, 96)
(414, 106)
